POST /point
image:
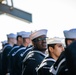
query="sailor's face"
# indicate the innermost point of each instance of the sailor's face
(58, 50)
(20, 40)
(41, 42)
(14, 41)
(28, 41)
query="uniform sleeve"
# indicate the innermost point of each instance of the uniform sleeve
(30, 68)
(44, 71)
(57, 67)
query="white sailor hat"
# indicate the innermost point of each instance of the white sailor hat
(11, 35)
(38, 33)
(54, 41)
(4, 42)
(70, 33)
(26, 35)
(20, 33)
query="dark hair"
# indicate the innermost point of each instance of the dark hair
(18, 37)
(68, 39)
(50, 45)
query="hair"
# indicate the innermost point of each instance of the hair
(18, 37)
(68, 39)
(50, 45)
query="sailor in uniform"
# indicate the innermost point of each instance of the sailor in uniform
(3, 44)
(35, 57)
(70, 53)
(19, 43)
(61, 65)
(14, 49)
(55, 47)
(11, 41)
(17, 63)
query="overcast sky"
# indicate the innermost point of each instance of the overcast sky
(53, 15)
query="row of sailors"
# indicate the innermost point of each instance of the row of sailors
(31, 60)
(11, 51)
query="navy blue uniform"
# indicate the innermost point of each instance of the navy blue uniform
(15, 60)
(66, 64)
(45, 66)
(6, 50)
(14, 49)
(18, 57)
(31, 62)
(70, 53)
(21, 56)
(60, 67)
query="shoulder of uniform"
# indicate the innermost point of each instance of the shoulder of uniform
(13, 49)
(38, 52)
(18, 51)
(33, 54)
(7, 46)
(49, 59)
(29, 55)
(45, 62)
(26, 51)
(55, 68)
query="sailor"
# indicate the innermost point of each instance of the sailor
(11, 41)
(3, 44)
(19, 42)
(17, 66)
(61, 67)
(70, 53)
(14, 49)
(35, 57)
(55, 47)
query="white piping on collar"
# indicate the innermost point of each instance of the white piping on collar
(6, 46)
(18, 51)
(49, 59)
(28, 49)
(36, 51)
(13, 49)
(53, 71)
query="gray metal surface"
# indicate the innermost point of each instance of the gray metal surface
(16, 12)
